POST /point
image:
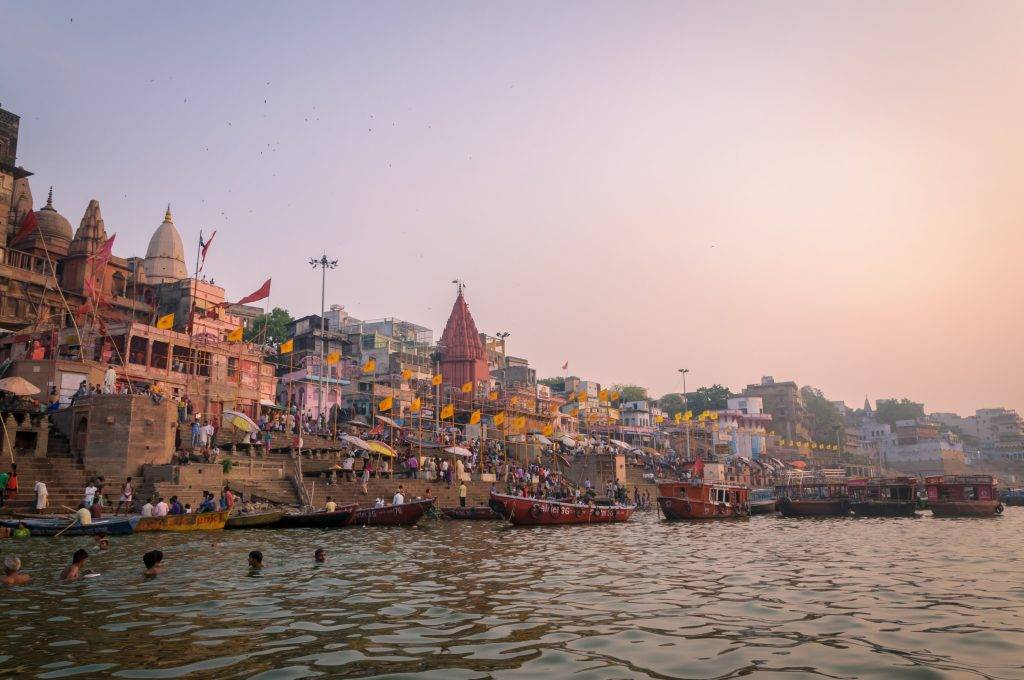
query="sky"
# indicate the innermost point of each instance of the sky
(822, 192)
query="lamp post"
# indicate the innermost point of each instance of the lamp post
(686, 403)
(323, 264)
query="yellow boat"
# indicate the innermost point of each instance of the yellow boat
(203, 521)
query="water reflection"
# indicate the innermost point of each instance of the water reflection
(839, 598)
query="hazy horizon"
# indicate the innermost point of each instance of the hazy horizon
(825, 193)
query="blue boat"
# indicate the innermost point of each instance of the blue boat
(762, 501)
(115, 526)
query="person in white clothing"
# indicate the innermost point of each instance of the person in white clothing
(147, 509)
(399, 497)
(109, 380)
(160, 509)
(41, 495)
(90, 493)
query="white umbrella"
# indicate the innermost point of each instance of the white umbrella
(568, 441)
(18, 386)
(356, 442)
(459, 451)
(620, 444)
(542, 439)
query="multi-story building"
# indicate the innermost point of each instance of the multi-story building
(743, 427)
(782, 400)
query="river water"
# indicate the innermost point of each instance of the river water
(835, 598)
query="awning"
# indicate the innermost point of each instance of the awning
(542, 439)
(459, 451)
(387, 421)
(568, 441)
(620, 444)
(381, 448)
(267, 402)
(356, 442)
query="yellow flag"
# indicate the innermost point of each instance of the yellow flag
(574, 411)
(165, 322)
(474, 417)
(436, 380)
(554, 409)
(286, 347)
(499, 419)
(514, 401)
(582, 396)
(659, 419)
(386, 403)
(520, 422)
(333, 358)
(688, 415)
(448, 411)
(415, 406)
(492, 395)
(678, 417)
(603, 395)
(548, 430)
(370, 366)
(406, 374)
(615, 396)
(713, 415)
(236, 335)
(467, 387)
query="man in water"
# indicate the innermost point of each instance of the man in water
(255, 559)
(101, 541)
(12, 572)
(77, 566)
(399, 497)
(149, 561)
(320, 556)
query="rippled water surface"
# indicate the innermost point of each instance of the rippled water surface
(838, 598)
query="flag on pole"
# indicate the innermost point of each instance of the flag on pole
(416, 405)
(467, 387)
(28, 223)
(103, 254)
(370, 366)
(406, 374)
(499, 419)
(386, 403)
(659, 419)
(261, 293)
(688, 416)
(236, 335)
(548, 430)
(165, 322)
(474, 417)
(286, 347)
(519, 422)
(603, 395)
(492, 395)
(204, 247)
(615, 396)
(565, 366)
(436, 380)
(448, 411)
(554, 409)
(582, 396)
(333, 358)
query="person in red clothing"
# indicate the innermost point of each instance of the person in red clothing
(11, 488)
(227, 499)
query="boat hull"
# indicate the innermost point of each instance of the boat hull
(254, 521)
(881, 508)
(115, 526)
(801, 507)
(688, 508)
(404, 515)
(965, 508)
(203, 521)
(523, 511)
(341, 517)
(762, 507)
(481, 512)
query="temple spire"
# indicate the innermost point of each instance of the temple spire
(167, 215)
(49, 199)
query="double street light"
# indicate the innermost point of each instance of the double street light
(323, 264)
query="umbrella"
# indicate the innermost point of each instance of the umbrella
(240, 420)
(381, 448)
(620, 444)
(568, 441)
(541, 439)
(356, 442)
(387, 421)
(459, 451)
(18, 386)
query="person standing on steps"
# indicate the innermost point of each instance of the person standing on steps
(463, 490)
(127, 494)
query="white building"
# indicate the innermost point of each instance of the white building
(743, 425)
(636, 414)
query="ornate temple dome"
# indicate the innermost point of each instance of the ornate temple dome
(53, 231)
(165, 256)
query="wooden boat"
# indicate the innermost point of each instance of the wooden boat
(962, 496)
(404, 515)
(1013, 497)
(201, 521)
(254, 520)
(524, 511)
(470, 512)
(697, 499)
(114, 526)
(815, 499)
(880, 497)
(762, 501)
(341, 517)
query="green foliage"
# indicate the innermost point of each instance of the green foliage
(712, 398)
(890, 410)
(276, 325)
(672, 404)
(557, 384)
(226, 465)
(630, 392)
(826, 422)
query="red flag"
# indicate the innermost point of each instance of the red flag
(263, 292)
(28, 223)
(205, 245)
(102, 256)
(565, 366)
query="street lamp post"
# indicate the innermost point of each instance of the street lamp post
(323, 264)
(686, 403)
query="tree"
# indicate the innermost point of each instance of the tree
(890, 410)
(630, 392)
(557, 384)
(672, 404)
(714, 398)
(826, 422)
(275, 324)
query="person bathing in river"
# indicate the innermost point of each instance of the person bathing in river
(320, 556)
(101, 541)
(255, 560)
(77, 567)
(149, 561)
(12, 572)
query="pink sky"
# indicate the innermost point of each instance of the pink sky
(825, 192)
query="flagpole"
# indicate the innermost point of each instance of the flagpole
(188, 325)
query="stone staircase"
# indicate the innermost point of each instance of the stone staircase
(65, 480)
(478, 493)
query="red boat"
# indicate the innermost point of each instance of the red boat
(698, 499)
(963, 496)
(815, 499)
(404, 515)
(470, 512)
(521, 510)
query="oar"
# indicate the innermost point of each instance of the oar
(73, 523)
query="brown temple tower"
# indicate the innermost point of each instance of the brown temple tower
(461, 351)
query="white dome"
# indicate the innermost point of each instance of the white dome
(165, 256)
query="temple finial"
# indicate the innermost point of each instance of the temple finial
(49, 199)
(167, 215)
